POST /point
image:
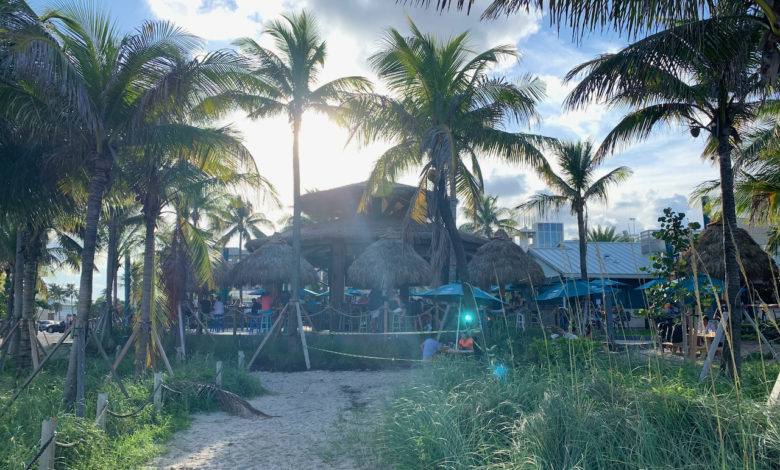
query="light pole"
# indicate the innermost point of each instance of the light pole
(633, 226)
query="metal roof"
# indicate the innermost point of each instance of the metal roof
(615, 260)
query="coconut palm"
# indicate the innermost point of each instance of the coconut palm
(635, 17)
(287, 77)
(443, 114)
(575, 186)
(606, 234)
(701, 76)
(487, 217)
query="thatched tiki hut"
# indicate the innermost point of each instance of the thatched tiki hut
(389, 264)
(501, 261)
(756, 265)
(270, 263)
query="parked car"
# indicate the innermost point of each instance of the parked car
(45, 324)
(57, 327)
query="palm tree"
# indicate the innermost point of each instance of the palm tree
(702, 76)
(241, 220)
(606, 234)
(488, 217)
(443, 114)
(636, 16)
(285, 81)
(575, 186)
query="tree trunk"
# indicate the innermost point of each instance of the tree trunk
(452, 229)
(731, 360)
(21, 241)
(32, 255)
(240, 288)
(453, 206)
(145, 330)
(582, 229)
(296, 238)
(111, 262)
(99, 179)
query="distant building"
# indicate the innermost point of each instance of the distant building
(547, 234)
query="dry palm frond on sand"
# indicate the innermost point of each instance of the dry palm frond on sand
(230, 402)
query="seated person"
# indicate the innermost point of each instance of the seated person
(706, 327)
(430, 347)
(465, 342)
(255, 306)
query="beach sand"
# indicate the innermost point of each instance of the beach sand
(313, 409)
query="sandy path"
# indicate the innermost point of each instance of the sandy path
(311, 406)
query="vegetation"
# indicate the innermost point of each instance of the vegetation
(488, 217)
(568, 404)
(606, 234)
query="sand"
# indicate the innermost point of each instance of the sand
(313, 409)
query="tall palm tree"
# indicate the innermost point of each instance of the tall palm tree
(286, 81)
(241, 220)
(605, 234)
(443, 114)
(487, 217)
(702, 76)
(575, 186)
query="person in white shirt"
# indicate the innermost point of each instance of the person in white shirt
(219, 308)
(706, 327)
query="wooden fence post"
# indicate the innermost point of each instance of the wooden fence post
(100, 413)
(48, 428)
(241, 359)
(157, 392)
(219, 374)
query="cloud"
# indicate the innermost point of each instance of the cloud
(506, 186)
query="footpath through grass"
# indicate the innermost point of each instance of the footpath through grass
(569, 404)
(126, 443)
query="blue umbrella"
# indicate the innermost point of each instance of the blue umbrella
(607, 282)
(260, 291)
(454, 291)
(324, 294)
(354, 292)
(650, 284)
(507, 288)
(572, 288)
(705, 284)
(305, 292)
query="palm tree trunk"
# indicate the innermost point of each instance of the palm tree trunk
(24, 359)
(145, 332)
(240, 288)
(111, 262)
(454, 211)
(583, 233)
(296, 239)
(21, 240)
(99, 180)
(732, 360)
(452, 230)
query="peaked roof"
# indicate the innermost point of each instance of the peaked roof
(616, 260)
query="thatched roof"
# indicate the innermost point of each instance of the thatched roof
(756, 262)
(388, 264)
(502, 261)
(271, 262)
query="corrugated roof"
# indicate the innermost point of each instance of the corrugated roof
(616, 260)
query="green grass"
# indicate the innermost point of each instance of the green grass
(126, 443)
(570, 404)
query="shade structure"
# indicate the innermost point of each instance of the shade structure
(352, 292)
(260, 291)
(705, 284)
(388, 264)
(607, 282)
(507, 288)
(502, 260)
(271, 262)
(758, 266)
(572, 288)
(649, 284)
(454, 292)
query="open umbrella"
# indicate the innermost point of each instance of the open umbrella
(260, 291)
(572, 288)
(607, 282)
(650, 284)
(353, 292)
(454, 292)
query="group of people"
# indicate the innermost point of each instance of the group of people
(431, 346)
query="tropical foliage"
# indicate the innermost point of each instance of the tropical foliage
(606, 234)
(487, 217)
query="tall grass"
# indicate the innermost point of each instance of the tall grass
(126, 443)
(571, 404)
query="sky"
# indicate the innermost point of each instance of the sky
(666, 166)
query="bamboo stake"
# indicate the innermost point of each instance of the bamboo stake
(714, 347)
(162, 350)
(111, 368)
(443, 323)
(267, 335)
(33, 344)
(181, 331)
(774, 397)
(126, 347)
(303, 336)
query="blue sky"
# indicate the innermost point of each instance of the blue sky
(666, 167)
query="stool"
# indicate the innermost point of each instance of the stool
(396, 322)
(363, 326)
(254, 323)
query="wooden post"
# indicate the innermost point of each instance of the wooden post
(117, 351)
(761, 335)
(714, 347)
(384, 307)
(337, 274)
(100, 412)
(218, 379)
(48, 430)
(267, 336)
(126, 347)
(181, 331)
(240, 359)
(162, 350)
(444, 322)
(179, 356)
(692, 340)
(111, 369)
(157, 392)
(36, 360)
(81, 368)
(303, 336)
(774, 397)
